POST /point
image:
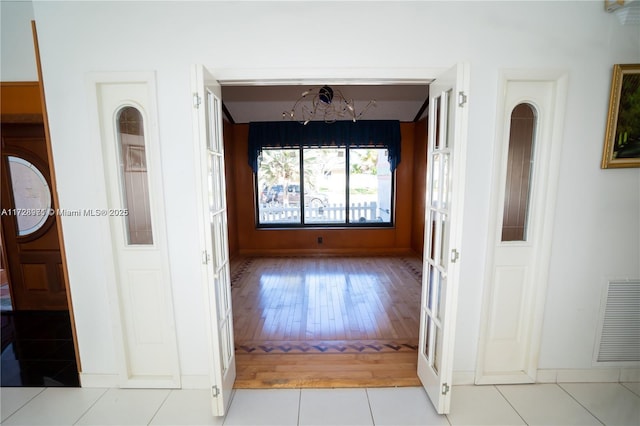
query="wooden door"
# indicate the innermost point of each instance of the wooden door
(31, 243)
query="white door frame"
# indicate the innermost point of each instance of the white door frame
(339, 76)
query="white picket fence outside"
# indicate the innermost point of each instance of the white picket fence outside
(358, 212)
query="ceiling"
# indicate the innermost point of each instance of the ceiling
(403, 102)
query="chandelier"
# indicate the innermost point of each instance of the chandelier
(324, 104)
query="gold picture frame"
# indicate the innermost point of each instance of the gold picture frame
(622, 137)
(611, 5)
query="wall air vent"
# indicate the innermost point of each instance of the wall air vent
(618, 339)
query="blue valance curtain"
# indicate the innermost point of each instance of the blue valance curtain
(291, 134)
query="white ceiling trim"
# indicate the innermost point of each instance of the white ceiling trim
(329, 81)
(314, 76)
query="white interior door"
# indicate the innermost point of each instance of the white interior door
(443, 231)
(526, 163)
(214, 239)
(140, 295)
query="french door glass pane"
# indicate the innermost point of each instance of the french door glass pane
(436, 125)
(442, 238)
(437, 349)
(435, 181)
(442, 284)
(444, 193)
(427, 339)
(432, 235)
(433, 288)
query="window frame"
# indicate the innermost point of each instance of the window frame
(347, 224)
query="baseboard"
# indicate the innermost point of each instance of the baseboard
(566, 375)
(99, 380)
(590, 375)
(196, 382)
(152, 382)
(463, 378)
(460, 378)
(142, 382)
(328, 252)
(628, 375)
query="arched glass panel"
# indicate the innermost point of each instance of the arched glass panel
(519, 169)
(31, 195)
(134, 179)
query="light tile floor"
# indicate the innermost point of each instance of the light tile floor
(540, 404)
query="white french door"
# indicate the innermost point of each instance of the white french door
(448, 113)
(207, 103)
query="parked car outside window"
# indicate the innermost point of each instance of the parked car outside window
(275, 195)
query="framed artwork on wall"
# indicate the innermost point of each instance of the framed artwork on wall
(611, 5)
(622, 137)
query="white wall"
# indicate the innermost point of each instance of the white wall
(597, 226)
(17, 54)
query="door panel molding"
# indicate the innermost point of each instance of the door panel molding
(516, 271)
(139, 281)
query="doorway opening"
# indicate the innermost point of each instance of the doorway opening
(335, 320)
(443, 193)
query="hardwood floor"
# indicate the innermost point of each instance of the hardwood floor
(326, 322)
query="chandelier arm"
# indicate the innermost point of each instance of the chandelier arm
(326, 104)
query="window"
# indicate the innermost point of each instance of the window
(324, 187)
(319, 174)
(519, 167)
(134, 180)
(31, 194)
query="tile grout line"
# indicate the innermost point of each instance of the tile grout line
(226, 412)
(92, 405)
(23, 405)
(510, 404)
(632, 391)
(299, 405)
(579, 403)
(373, 420)
(160, 406)
(446, 416)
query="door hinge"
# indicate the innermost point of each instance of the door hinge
(215, 391)
(462, 99)
(455, 255)
(197, 100)
(445, 388)
(206, 257)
